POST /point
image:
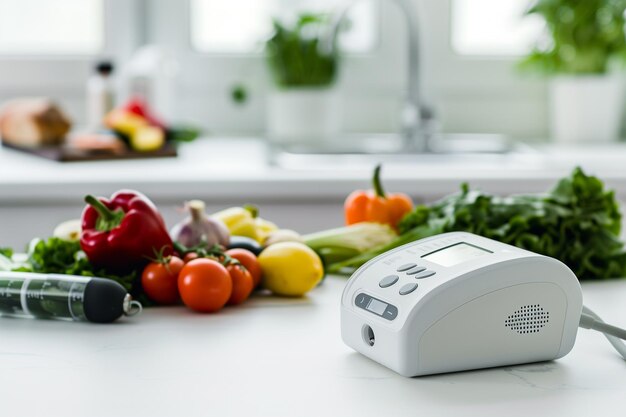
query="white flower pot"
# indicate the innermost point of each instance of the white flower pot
(586, 108)
(303, 115)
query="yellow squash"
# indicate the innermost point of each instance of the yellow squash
(244, 221)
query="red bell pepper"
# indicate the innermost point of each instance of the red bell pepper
(138, 106)
(123, 233)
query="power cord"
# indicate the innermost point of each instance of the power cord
(590, 320)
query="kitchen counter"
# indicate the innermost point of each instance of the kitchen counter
(305, 194)
(233, 168)
(282, 357)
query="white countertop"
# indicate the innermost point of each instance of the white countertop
(282, 357)
(238, 167)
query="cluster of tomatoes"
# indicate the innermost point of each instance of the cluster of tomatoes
(205, 282)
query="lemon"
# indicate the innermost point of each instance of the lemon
(147, 139)
(124, 122)
(290, 268)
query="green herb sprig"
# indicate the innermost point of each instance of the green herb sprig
(58, 256)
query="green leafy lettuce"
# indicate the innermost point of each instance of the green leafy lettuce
(578, 222)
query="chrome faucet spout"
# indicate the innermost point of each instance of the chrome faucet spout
(416, 118)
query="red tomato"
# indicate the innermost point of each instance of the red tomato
(248, 260)
(242, 284)
(204, 285)
(160, 280)
(190, 257)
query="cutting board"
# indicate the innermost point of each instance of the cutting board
(65, 154)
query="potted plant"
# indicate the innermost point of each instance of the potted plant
(583, 54)
(304, 105)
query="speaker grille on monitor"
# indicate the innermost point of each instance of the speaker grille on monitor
(529, 318)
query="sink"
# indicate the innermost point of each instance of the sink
(355, 151)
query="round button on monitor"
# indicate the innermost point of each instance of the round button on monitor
(408, 288)
(424, 274)
(405, 267)
(388, 281)
(416, 270)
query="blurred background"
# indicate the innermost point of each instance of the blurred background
(468, 51)
(291, 103)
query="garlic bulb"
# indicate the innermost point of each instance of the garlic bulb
(199, 228)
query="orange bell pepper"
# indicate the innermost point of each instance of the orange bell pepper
(376, 206)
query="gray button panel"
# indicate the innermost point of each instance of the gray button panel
(405, 267)
(391, 312)
(361, 300)
(388, 281)
(376, 306)
(416, 270)
(408, 288)
(424, 274)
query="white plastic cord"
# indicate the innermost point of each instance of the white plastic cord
(590, 320)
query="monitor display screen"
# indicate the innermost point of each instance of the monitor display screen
(377, 307)
(455, 254)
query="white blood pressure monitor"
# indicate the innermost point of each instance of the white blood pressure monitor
(459, 301)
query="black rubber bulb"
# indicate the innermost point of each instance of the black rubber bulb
(104, 300)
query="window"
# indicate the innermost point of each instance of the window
(493, 27)
(44, 27)
(48, 47)
(239, 26)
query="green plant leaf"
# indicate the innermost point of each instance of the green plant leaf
(585, 37)
(294, 56)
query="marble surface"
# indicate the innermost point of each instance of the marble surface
(283, 357)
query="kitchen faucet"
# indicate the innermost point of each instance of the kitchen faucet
(416, 118)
